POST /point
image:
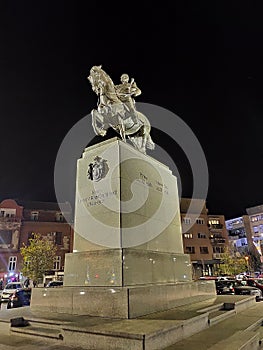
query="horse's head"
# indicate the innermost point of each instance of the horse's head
(94, 73)
(102, 84)
(96, 78)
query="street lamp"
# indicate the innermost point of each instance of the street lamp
(247, 258)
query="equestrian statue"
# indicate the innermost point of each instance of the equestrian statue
(116, 109)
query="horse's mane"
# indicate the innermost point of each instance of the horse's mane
(103, 75)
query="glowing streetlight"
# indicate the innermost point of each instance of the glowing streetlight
(247, 258)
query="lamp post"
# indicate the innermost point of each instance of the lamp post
(247, 258)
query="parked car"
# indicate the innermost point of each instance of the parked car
(242, 288)
(242, 275)
(225, 286)
(54, 284)
(9, 289)
(255, 282)
(237, 287)
(224, 278)
(21, 297)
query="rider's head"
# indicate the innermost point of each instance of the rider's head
(124, 78)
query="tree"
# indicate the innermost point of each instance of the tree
(232, 264)
(38, 257)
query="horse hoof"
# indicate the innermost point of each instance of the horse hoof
(102, 133)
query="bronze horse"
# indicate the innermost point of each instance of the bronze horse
(112, 112)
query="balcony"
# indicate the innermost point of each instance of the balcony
(9, 219)
(215, 240)
(217, 255)
(215, 226)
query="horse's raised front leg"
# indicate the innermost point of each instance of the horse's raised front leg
(121, 128)
(102, 130)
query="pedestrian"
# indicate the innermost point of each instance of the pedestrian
(26, 283)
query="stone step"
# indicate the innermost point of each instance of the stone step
(242, 331)
(154, 332)
(241, 340)
(219, 316)
(43, 332)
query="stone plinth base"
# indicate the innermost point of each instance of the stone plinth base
(119, 302)
(125, 267)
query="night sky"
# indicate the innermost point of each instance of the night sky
(200, 60)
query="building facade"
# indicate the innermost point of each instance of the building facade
(246, 235)
(238, 233)
(256, 227)
(19, 220)
(205, 237)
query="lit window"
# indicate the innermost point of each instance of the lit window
(57, 262)
(214, 222)
(188, 235)
(8, 212)
(59, 217)
(34, 215)
(255, 218)
(12, 263)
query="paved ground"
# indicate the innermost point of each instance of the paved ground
(20, 343)
(12, 342)
(201, 341)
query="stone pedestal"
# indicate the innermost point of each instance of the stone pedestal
(131, 202)
(127, 221)
(128, 249)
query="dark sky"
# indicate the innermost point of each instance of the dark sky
(200, 60)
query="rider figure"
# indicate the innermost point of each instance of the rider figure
(126, 91)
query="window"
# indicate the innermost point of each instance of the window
(213, 222)
(190, 250)
(34, 215)
(59, 217)
(201, 235)
(8, 212)
(5, 237)
(12, 263)
(188, 235)
(30, 235)
(58, 238)
(57, 263)
(204, 250)
(200, 221)
(218, 250)
(255, 229)
(27, 263)
(187, 221)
